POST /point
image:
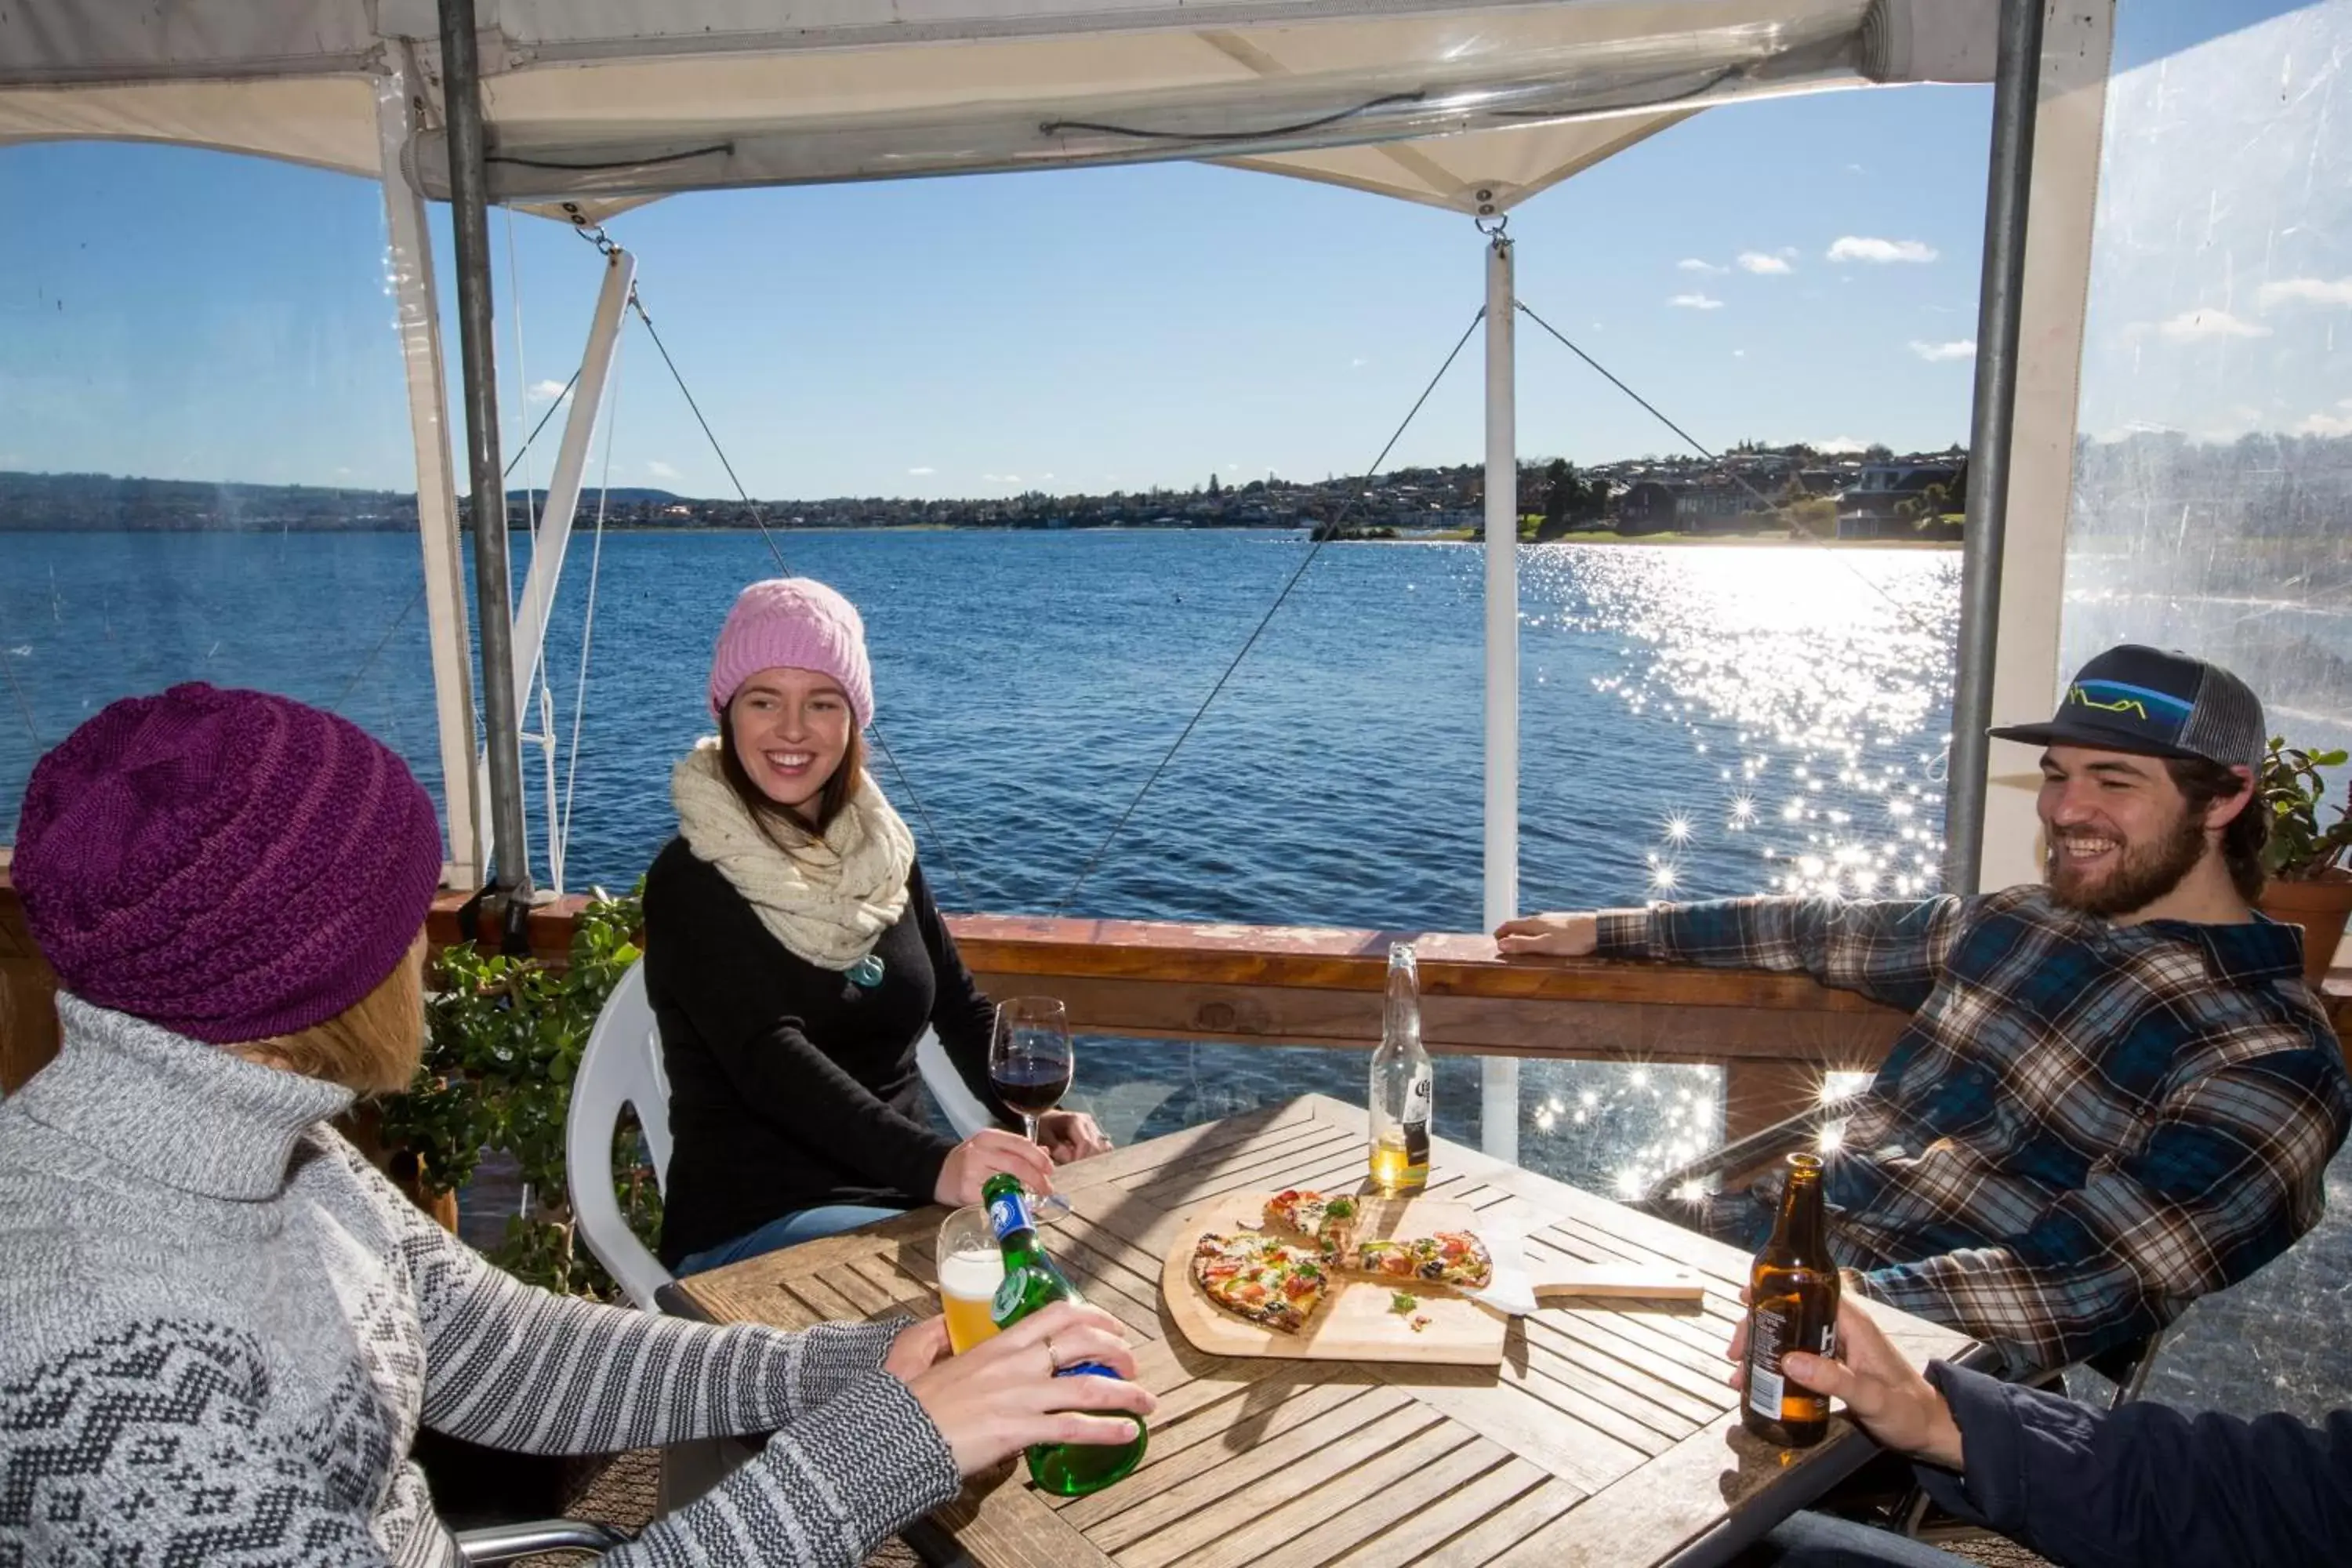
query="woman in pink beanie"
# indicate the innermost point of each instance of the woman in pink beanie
(794, 958)
(224, 1328)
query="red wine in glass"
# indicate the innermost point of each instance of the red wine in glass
(1030, 1085)
(1031, 1063)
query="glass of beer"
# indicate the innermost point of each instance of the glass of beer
(970, 1268)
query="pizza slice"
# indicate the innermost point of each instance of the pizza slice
(1331, 1220)
(1454, 1257)
(1268, 1282)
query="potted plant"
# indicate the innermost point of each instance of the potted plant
(2308, 886)
(503, 1043)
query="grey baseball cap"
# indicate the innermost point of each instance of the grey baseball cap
(2144, 699)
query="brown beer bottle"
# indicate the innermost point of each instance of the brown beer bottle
(1792, 1293)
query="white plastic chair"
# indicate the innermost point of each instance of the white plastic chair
(621, 1065)
(962, 1108)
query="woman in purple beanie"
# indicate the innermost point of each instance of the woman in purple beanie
(224, 1328)
(794, 958)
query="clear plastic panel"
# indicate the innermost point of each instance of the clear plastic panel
(2212, 503)
(204, 462)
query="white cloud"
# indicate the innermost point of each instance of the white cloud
(2328, 423)
(1763, 264)
(1839, 444)
(1695, 302)
(1862, 248)
(545, 390)
(1358, 362)
(2197, 326)
(920, 472)
(2305, 290)
(1934, 354)
(660, 469)
(1693, 264)
(1000, 478)
(1739, 353)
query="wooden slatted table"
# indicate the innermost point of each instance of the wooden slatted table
(1608, 1438)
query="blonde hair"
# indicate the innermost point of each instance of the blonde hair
(372, 1047)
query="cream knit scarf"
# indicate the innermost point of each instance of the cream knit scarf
(829, 900)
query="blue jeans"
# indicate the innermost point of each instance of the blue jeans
(785, 1230)
(1820, 1540)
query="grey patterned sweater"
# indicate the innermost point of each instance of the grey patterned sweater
(220, 1329)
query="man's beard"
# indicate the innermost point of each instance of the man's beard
(2144, 874)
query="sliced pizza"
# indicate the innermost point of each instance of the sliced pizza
(1273, 1283)
(1454, 1257)
(1331, 1220)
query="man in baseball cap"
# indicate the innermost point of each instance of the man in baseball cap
(2115, 1093)
(2117, 841)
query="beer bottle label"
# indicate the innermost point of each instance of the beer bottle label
(1768, 1341)
(1009, 1213)
(1007, 1301)
(1416, 1122)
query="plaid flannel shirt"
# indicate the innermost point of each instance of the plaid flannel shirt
(2086, 1125)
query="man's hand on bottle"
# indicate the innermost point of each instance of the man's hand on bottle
(1002, 1396)
(1570, 934)
(985, 1153)
(1881, 1388)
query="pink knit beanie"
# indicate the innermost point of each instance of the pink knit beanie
(230, 865)
(793, 623)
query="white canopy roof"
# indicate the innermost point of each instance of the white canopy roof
(1468, 104)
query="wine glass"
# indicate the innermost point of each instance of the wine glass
(1030, 1064)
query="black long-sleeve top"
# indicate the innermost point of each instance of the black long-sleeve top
(793, 1087)
(2147, 1487)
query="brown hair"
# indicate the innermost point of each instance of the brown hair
(2201, 783)
(774, 819)
(372, 1047)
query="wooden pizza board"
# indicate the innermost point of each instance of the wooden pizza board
(1354, 1322)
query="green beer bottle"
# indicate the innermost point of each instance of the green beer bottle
(1032, 1284)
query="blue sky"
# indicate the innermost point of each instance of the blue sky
(203, 316)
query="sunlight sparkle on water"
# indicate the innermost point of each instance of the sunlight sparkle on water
(1793, 657)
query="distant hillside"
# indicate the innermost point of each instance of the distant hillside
(57, 503)
(625, 495)
(67, 503)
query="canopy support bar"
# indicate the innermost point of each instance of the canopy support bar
(461, 85)
(546, 574)
(419, 325)
(2016, 84)
(1499, 1076)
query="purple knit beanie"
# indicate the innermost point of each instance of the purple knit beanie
(230, 865)
(793, 623)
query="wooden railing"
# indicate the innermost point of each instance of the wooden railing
(1773, 1035)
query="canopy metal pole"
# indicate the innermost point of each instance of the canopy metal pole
(2017, 82)
(469, 218)
(1499, 1076)
(410, 241)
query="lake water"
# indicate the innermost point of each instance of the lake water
(1700, 720)
(1696, 720)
